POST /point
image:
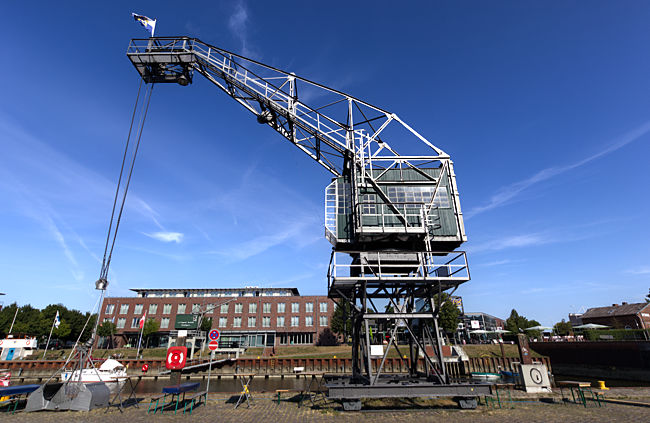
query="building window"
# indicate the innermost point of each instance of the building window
(252, 308)
(137, 309)
(295, 308)
(323, 320)
(181, 309)
(224, 308)
(196, 308)
(323, 307)
(266, 322)
(239, 307)
(121, 322)
(266, 308)
(153, 308)
(167, 309)
(223, 321)
(309, 307)
(251, 322)
(124, 309)
(309, 321)
(110, 308)
(108, 319)
(237, 322)
(164, 323)
(280, 308)
(135, 322)
(294, 321)
(280, 321)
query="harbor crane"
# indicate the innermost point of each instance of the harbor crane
(394, 221)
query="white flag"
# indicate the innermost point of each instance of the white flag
(148, 23)
(57, 320)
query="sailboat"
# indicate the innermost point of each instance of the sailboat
(111, 372)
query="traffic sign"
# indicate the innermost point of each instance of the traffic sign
(213, 345)
(214, 334)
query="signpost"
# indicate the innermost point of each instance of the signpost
(213, 345)
(214, 335)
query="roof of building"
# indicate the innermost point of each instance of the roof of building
(480, 313)
(615, 310)
(226, 292)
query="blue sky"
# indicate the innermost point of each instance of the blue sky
(544, 108)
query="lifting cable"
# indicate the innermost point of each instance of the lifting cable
(112, 233)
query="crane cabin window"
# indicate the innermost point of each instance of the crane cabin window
(413, 196)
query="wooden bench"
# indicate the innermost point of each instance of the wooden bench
(195, 400)
(157, 399)
(280, 392)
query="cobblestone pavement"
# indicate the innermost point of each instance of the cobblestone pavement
(264, 409)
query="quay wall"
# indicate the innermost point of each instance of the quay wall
(625, 360)
(38, 369)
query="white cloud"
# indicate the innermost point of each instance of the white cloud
(642, 270)
(525, 240)
(238, 25)
(176, 237)
(509, 192)
(495, 263)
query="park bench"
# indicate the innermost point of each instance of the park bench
(195, 400)
(157, 399)
(578, 390)
(280, 392)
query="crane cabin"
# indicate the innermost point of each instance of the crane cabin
(411, 208)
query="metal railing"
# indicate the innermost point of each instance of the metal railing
(409, 266)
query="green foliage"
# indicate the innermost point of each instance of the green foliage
(326, 338)
(107, 328)
(63, 331)
(449, 313)
(563, 328)
(516, 322)
(341, 322)
(151, 326)
(34, 322)
(206, 325)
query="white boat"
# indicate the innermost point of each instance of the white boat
(111, 372)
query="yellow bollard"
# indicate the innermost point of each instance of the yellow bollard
(601, 385)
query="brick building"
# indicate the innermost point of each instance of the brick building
(623, 316)
(248, 316)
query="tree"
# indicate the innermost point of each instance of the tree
(647, 297)
(151, 326)
(516, 323)
(341, 323)
(206, 325)
(449, 313)
(563, 327)
(326, 338)
(107, 330)
(63, 331)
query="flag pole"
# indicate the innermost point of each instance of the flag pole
(137, 354)
(48, 338)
